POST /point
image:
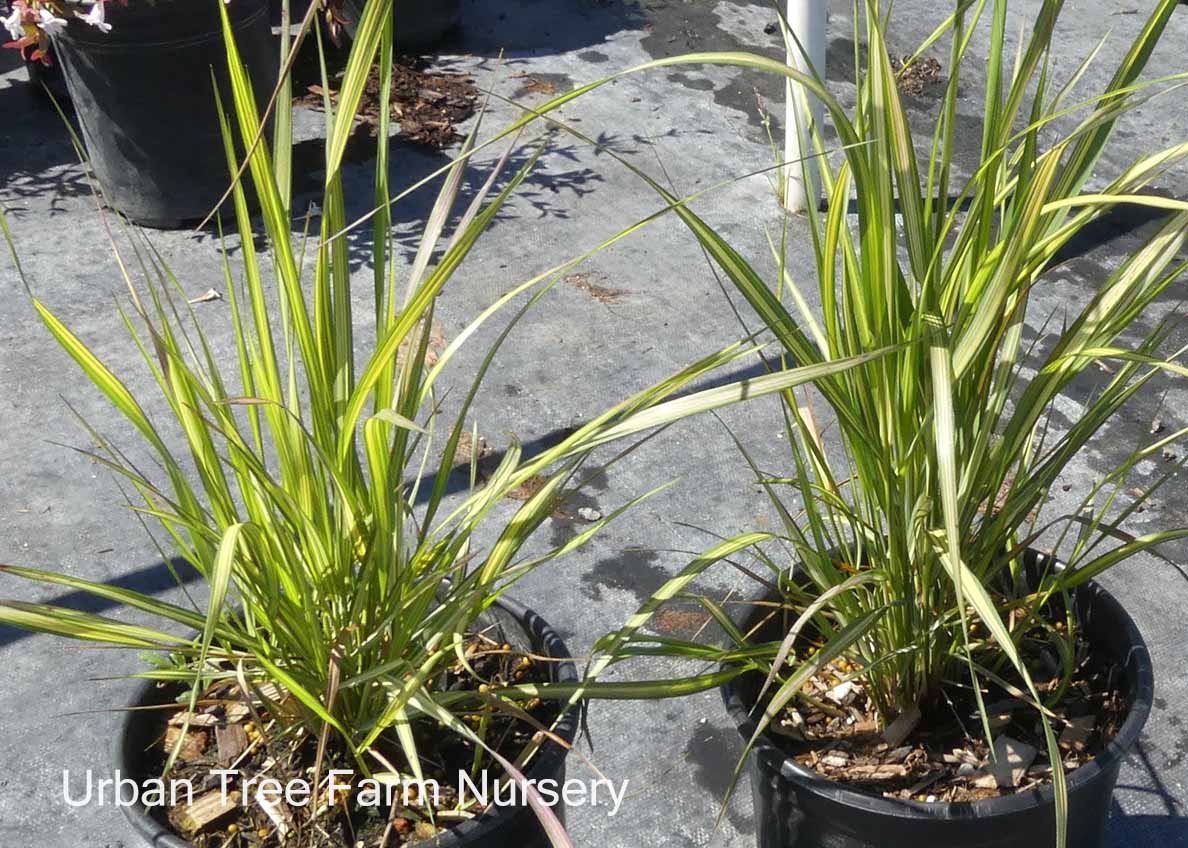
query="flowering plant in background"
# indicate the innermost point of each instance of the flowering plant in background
(30, 23)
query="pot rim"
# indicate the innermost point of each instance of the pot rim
(548, 761)
(1142, 695)
(141, 28)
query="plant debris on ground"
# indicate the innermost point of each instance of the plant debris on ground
(535, 85)
(486, 461)
(428, 104)
(603, 294)
(917, 77)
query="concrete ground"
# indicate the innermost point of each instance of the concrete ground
(571, 357)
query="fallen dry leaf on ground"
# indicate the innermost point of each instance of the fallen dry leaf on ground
(602, 294)
(206, 297)
(437, 343)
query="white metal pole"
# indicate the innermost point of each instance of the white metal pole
(806, 19)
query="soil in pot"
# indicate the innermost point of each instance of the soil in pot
(940, 752)
(230, 731)
(944, 758)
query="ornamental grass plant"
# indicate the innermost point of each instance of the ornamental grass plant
(917, 482)
(310, 485)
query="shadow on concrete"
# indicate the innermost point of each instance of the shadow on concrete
(459, 480)
(1127, 831)
(37, 158)
(950, 205)
(523, 28)
(1130, 224)
(1122, 223)
(36, 153)
(150, 580)
(548, 191)
(1165, 824)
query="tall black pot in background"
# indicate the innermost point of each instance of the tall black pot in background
(297, 10)
(146, 105)
(417, 23)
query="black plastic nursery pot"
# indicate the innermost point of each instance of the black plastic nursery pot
(416, 23)
(297, 10)
(513, 827)
(798, 808)
(146, 104)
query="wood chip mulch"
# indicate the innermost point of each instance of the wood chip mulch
(427, 104)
